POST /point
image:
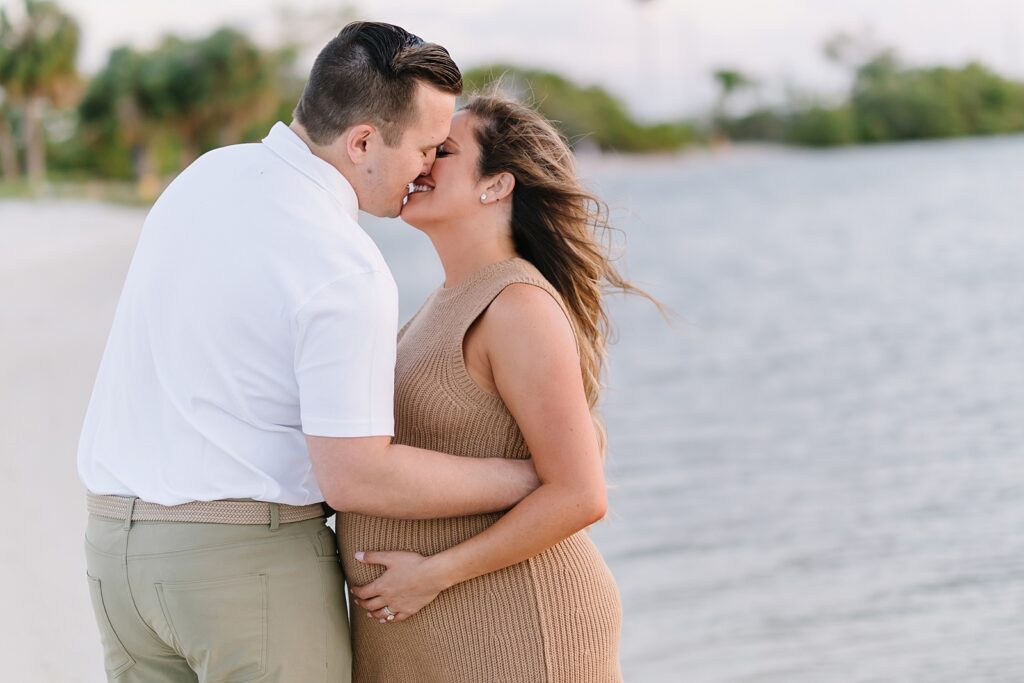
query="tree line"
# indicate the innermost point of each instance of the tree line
(148, 113)
(888, 101)
(145, 115)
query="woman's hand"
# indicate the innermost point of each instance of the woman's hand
(409, 584)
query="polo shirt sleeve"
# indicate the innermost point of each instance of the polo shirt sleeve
(345, 357)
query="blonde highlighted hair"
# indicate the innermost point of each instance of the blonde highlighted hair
(557, 224)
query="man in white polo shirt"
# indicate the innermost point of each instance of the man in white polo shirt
(248, 378)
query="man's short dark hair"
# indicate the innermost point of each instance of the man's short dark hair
(368, 74)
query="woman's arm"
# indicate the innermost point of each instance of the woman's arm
(531, 351)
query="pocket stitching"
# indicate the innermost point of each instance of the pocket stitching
(110, 627)
(203, 583)
(318, 549)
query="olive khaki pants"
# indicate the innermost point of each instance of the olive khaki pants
(218, 603)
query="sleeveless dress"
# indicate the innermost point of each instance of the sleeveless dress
(555, 617)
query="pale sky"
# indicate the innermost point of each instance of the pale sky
(656, 55)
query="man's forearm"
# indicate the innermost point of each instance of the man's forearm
(413, 483)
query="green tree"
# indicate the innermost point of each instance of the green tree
(8, 150)
(890, 101)
(9, 166)
(115, 131)
(37, 71)
(730, 81)
(817, 125)
(206, 90)
(154, 112)
(893, 103)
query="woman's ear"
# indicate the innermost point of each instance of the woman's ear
(357, 141)
(500, 186)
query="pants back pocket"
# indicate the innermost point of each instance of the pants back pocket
(219, 625)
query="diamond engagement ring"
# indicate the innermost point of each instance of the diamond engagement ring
(387, 611)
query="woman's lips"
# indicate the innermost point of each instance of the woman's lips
(416, 188)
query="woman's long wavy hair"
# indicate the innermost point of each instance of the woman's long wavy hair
(557, 224)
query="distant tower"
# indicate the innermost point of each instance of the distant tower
(1012, 38)
(648, 69)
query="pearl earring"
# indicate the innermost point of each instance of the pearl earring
(483, 197)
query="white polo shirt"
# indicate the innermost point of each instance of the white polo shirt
(255, 310)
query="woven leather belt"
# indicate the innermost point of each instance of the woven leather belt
(209, 512)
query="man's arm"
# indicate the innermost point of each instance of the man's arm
(372, 476)
(346, 386)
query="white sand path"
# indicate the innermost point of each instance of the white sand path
(61, 270)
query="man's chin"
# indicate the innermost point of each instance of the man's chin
(389, 212)
(409, 216)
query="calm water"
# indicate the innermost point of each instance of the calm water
(819, 470)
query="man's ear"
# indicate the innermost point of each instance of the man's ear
(357, 141)
(500, 186)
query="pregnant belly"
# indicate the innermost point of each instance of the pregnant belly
(424, 536)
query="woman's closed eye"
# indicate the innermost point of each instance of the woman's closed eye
(441, 152)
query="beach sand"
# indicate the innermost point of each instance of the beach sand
(61, 270)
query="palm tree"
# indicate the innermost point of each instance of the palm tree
(37, 69)
(112, 118)
(206, 91)
(730, 81)
(238, 86)
(851, 50)
(8, 150)
(191, 95)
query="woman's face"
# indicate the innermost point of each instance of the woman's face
(451, 190)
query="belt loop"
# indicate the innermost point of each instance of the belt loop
(128, 515)
(275, 516)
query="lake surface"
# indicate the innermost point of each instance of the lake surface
(819, 467)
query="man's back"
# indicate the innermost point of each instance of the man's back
(251, 278)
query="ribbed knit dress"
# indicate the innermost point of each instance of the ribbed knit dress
(554, 618)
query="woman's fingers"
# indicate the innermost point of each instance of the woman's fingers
(381, 615)
(374, 557)
(366, 592)
(375, 609)
(373, 604)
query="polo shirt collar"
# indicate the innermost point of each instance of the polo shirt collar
(283, 141)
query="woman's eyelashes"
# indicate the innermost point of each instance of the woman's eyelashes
(441, 152)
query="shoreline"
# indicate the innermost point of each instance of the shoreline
(126, 193)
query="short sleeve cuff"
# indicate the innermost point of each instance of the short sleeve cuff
(348, 428)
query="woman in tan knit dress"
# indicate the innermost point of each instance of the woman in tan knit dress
(502, 360)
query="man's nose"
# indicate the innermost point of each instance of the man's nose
(428, 162)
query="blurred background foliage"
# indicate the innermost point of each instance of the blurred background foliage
(149, 112)
(888, 102)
